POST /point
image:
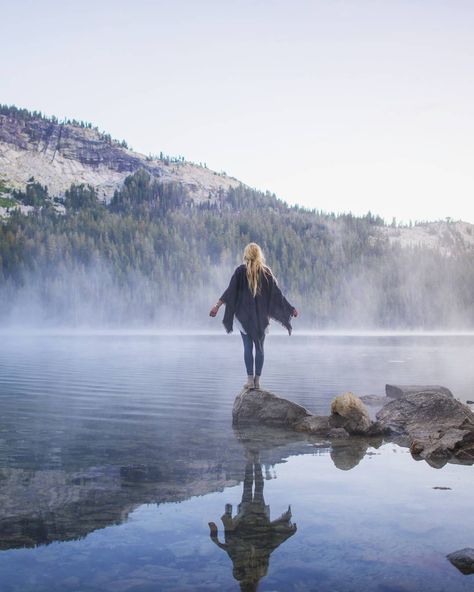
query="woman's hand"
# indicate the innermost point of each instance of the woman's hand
(294, 313)
(215, 309)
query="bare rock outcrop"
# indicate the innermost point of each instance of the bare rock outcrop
(58, 154)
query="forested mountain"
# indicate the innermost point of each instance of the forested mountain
(156, 253)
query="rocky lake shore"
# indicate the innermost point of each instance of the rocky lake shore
(428, 419)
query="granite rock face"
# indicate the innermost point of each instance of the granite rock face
(58, 154)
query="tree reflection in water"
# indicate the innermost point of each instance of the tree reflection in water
(250, 536)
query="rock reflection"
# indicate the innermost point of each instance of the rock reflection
(250, 537)
(347, 454)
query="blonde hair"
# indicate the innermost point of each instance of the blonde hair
(255, 264)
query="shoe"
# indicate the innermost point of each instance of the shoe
(256, 382)
(250, 383)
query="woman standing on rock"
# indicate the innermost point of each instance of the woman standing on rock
(253, 297)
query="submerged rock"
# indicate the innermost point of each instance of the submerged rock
(395, 391)
(435, 424)
(463, 560)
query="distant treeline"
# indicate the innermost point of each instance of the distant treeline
(152, 252)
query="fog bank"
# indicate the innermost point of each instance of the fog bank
(92, 297)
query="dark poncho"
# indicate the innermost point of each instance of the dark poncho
(254, 313)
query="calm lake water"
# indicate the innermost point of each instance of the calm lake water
(117, 451)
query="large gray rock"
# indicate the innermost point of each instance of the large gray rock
(435, 424)
(397, 391)
(463, 560)
(262, 406)
(427, 412)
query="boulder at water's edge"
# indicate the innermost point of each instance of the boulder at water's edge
(435, 424)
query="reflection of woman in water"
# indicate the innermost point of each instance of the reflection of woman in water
(250, 536)
(254, 297)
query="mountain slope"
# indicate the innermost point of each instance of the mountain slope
(60, 154)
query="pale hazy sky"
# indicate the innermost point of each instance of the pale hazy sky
(340, 105)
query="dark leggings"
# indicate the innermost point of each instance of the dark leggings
(248, 354)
